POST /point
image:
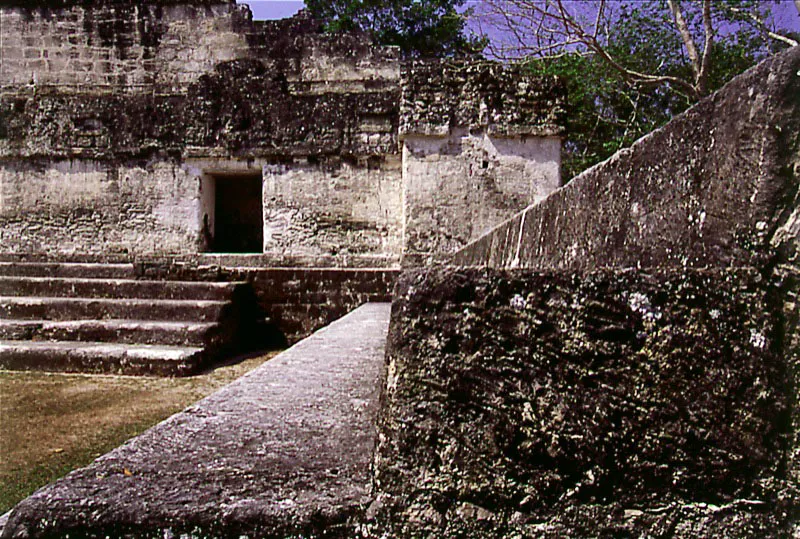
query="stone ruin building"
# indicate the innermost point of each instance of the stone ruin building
(188, 139)
(615, 357)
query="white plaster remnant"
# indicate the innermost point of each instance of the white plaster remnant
(573, 250)
(789, 232)
(515, 262)
(638, 302)
(475, 182)
(391, 376)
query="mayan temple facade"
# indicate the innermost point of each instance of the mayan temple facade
(149, 147)
(617, 358)
(175, 129)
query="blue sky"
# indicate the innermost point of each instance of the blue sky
(272, 9)
(784, 10)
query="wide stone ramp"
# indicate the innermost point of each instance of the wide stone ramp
(99, 318)
(283, 452)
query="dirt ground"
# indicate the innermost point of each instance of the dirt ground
(54, 423)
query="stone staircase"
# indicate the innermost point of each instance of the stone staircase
(99, 318)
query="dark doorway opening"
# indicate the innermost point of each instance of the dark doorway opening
(239, 219)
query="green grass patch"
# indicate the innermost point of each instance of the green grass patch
(54, 423)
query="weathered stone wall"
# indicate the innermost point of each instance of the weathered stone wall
(503, 100)
(94, 207)
(300, 301)
(717, 187)
(62, 207)
(480, 141)
(164, 46)
(107, 44)
(540, 404)
(196, 90)
(655, 397)
(334, 209)
(297, 301)
(202, 87)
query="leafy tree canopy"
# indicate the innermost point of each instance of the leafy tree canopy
(631, 66)
(419, 27)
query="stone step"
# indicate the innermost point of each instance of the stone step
(114, 288)
(100, 358)
(250, 260)
(68, 269)
(206, 334)
(62, 309)
(99, 318)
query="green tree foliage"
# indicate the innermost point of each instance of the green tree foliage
(630, 70)
(419, 27)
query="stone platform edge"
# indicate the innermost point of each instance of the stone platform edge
(284, 450)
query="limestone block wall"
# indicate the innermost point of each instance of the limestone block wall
(85, 207)
(117, 44)
(180, 92)
(333, 209)
(626, 361)
(717, 187)
(559, 404)
(354, 66)
(300, 301)
(480, 142)
(296, 300)
(165, 45)
(461, 186)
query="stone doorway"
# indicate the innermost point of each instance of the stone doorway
(238, 225)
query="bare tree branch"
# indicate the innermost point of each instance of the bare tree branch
(778, 37)
(558, 32)
(553, 28)
(686, 36)
(705, 65)
(647, 59)
(761, 26)
(600, 10)
(636, 76)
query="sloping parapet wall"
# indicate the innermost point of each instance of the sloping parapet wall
(637, 373)
(282, 452)
(716, 186)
